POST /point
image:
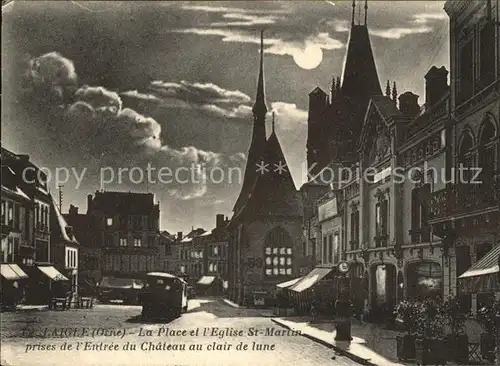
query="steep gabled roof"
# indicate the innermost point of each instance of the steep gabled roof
(360, 78)
(273, 192)
(59, 225)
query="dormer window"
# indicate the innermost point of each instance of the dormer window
(109, 221)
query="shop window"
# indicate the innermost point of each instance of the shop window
(424, 280)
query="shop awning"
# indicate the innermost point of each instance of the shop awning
(52, 273)
(311, 279)
(489, 264)
(483, 275)
(12, 271)
(288, 283)
(206, 280)
(120, 283)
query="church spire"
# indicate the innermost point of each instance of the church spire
(258, 142)
(259, 108)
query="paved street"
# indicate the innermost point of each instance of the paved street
(209, 334)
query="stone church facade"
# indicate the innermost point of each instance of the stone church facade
(266, 228)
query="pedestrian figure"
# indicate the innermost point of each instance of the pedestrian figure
(365, 312)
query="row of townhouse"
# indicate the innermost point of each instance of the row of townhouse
(120, 239)
(413, 216)
(39, 252)
(201, 256)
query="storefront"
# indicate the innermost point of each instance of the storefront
(483, 276)
(209, 286)
(45, 282)
(317, 285)
(383, 292)
(424, 280)
(13, 280)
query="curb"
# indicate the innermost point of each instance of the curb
(230, 303)
(352, 356)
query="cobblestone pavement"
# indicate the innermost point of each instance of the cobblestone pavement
(209, 334)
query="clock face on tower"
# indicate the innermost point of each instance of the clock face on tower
(344, 267)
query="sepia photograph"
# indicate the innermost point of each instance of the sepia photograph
(250, 183)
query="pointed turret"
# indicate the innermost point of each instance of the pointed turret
(388, 89)
(360, 72)
(259, 108)
(394, 93)
(258, 142)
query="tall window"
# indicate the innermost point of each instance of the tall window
(325, 249)
(466, 72)
(330, 248)
(4, 205)
(137, 242)
(354, 229)
(10, 213)
(123, 242)
(381, 220)
(487, 54)
(420, 195)
(278, 253)
(336, 243)
(109, 221)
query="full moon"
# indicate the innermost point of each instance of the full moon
(310, 58)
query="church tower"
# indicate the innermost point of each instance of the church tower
(258, 142)
(334, 137)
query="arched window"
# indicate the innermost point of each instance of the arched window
(487, 149)
(278, 253)
(466, 156)
(424, 280)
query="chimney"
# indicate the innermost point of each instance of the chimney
(89, 203)
(179, 235)
(69, 231)
(219, 222)
(408, 104)
(436, 85)
(73, 210)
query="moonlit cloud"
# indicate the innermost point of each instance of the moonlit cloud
(418, 24)
(238, 19)
(397, 33)
(277, 46)
(222, 9)
(141, 96)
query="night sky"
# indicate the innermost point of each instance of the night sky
(110, 85)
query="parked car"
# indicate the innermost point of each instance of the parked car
(122, 290)
(163, 296)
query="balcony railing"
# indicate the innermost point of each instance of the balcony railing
(462, 199)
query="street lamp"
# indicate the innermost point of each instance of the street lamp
(344, 306)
